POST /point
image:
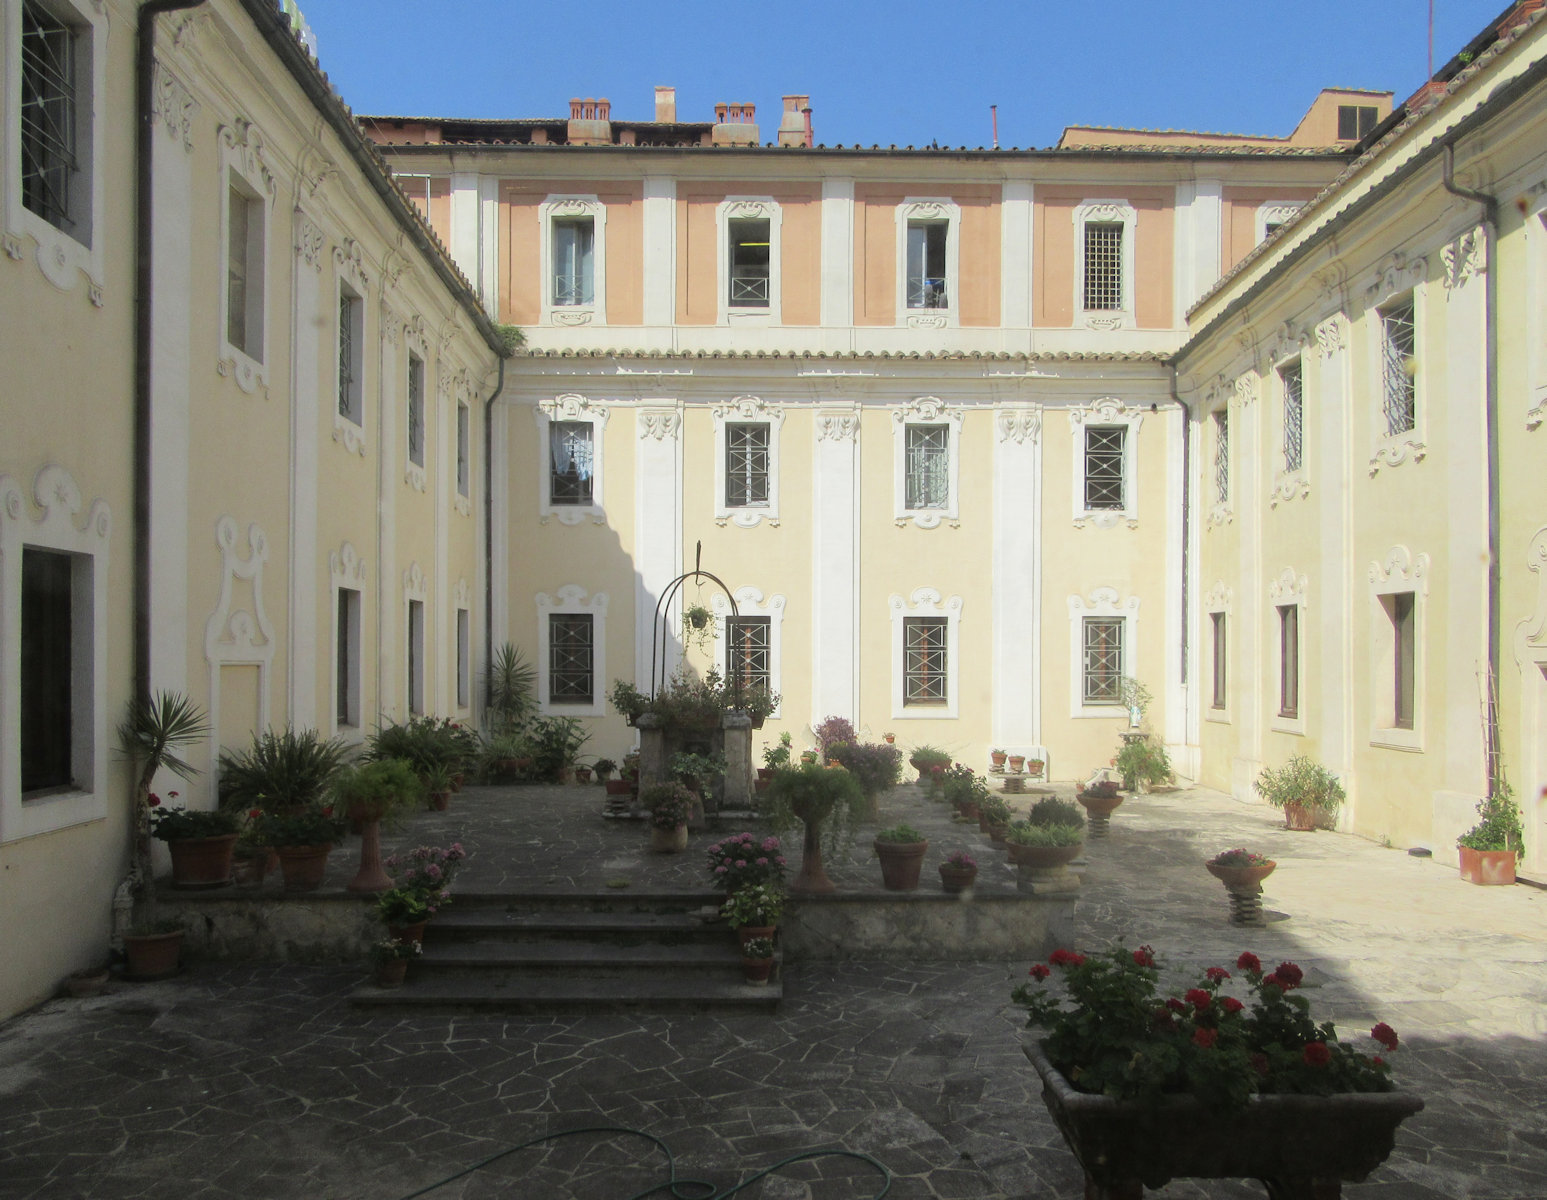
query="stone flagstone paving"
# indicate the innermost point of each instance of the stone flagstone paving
(259, 1081)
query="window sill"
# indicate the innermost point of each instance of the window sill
(249, 373)
(1100, 712)
(1409, 741)
(1217, 716)
(746, 517)
(577, 315)
(1396, 449)
(573, 514)
(927, 518)
(1291, 725)
(1106, 518)
(349, 435)
(413, 476)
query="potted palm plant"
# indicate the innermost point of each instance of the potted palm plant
(1307, 792)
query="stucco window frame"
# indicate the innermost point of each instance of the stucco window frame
(1110, 412)
(1220, 601)
(1536, 307)
(1289, 485)
(61, 257)
(351, 277)
(1107, 603)
(1399, 572)
(1221, 506)
(1106, 212)
(416, 672)
(243, 166)
(944, 210)
(54, 528)
(347, 573)
(746, 410)
(750, 603)
(414, 472)
(570, 408)
(1398, 277)
(738, 208)
(561, 206)
(927, 410)
(925, 602)
(1289, 590)
(1273, 212)
(572, 599)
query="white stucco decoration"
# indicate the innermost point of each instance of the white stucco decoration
(946, 211)
(566, 408)
(1531, 632)
(1106, 410)
(1105, 212)
(925, 602)
(572, 598)
(749, 410)
(750, 603)
(926, 410)
(764, 208)
(235, 635)
(1102, 602)
(244, 158)
(560, 207)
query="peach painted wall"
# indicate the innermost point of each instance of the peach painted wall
(520, 236)
(875, 250)
(1054, 236)
(1238, 217)
(800, 250)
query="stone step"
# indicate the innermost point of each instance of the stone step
(469, 958)
(611, 929)
(621, 901)
(567, 993)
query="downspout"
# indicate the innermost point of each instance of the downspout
(1490, 207)
(488, 529)
(145, 125)
(1186, 515)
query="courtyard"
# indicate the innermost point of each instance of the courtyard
(260, 1080)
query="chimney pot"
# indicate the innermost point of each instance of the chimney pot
(666, 104)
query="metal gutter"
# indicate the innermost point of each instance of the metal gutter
(488, 527)
(980, 153)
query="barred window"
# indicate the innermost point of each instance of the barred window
(1103, 668)
(574, 276)
(1103, 265)
(570, 476)
(1292, 380)
(746, 465)
(926, 264)
(749, 262)
(928, 460)
(925, 676)
(748, 650)
(1399, 365)
(416, 410)
(570, 658)
(1289, 660)
(1222, 456)
(1104, 453)
(50, 163)
(351, 404)
(464, 434)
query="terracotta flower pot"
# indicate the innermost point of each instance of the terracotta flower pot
(1017, 763)
(440, 801)
(757, 970)
(152, 955)
(669, 841)
(998, 758)
(955, 880)
(900, 864)
(392, 973)
(412, 932)
(1043, 857)
(747, 932)
(303, 866)
(202, 862)
(252, 868)
(1299, 817)
(1241, 877)
(1487, 866)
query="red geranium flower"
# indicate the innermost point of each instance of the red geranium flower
(1039, 971)
(1144, 956)
(1217, 974)
(1248, 962)
(1176, 1005)
(1385, 1035)
(1274, 981)
(153, 800)
(1231, 1005)
(1290, 974)
(1316, 1054)
(1205, 1037)
(1065, 958)
(1198, 998)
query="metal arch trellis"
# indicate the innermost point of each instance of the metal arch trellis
(659, 631)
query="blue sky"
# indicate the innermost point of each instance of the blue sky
(903, 72)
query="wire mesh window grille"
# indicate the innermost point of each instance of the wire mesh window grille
(748, 650)
(1399, 366)
(1103, 670)
(1222, 456)
(49, 161)
(924, 660)
(749, 262)
(746, 465)
(1104, 453)
(349, 406)
(1289, 660)
(1103, 265)
(928, 457)
(416, 410)
(1292, 380)
(926, 264)
(464, 434)
(574, 273)
(1221, 660)
(570, 450)
(570, 658)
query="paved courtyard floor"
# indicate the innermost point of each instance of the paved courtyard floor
(260, 1081)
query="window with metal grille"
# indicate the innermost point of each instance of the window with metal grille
(1103, 660)
(570, 658)
(347, 662)
(350, 338)
(1220, 659)
(1105, 447)
(749, 262)
(1399, 365)
(1289, 660)
(1293, 382)
(925, 675)
(1103, 265)
(926, 264)
(1399, 610)
(47, 683)
(1355, 120)
(570, 448)
(416, 410)
(50, 163)
(1222, 456)
(464, 435)
(244, 271)
(746, 465)
(928, 483)
(748, 649)
(416, 656)
(573, 261)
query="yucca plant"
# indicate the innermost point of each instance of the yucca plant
(291, 769)
(512, 698)
(153, 732)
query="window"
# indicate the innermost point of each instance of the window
(926, 274)
(1355, 121)
(52, 183)
(244, 270)
(750, 262)
(464, 437)
(1399, 589)
(571, 661)
(1288, 660)
(48, 654)
(347, 682)
(748, 650)
(464, 658)
(925, 660)
(1399, 610)
(1399, 365)
(746, 464)
(351, 339)
(1221, 680)
(1291, 381)
(928, 480)
(1105, 452)
(1103, 275)
(416, 410)
(1103, 657)
(416, 657)
(1222, 457)
(570, 451)
(574, 261)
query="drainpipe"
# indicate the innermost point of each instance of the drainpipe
(145, 126)
(1186, 514)
(1490, 221)
(488, 528)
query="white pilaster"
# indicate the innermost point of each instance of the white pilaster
(307, 321)
(389, 475)
(1329, 434)
(1254, 680)
(489, 243)
(1017, 578)
(1016, 254)
(660, 256)
(465, 205)
(837, 253)
(1198, 233)
(835, 595)
(657, 528)
(1173, 425)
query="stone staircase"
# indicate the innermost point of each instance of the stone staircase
(577, 952)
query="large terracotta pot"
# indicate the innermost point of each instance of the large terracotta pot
(152, 955)
(900, 864)
(303, 866)
(412, 932)
(202, 862)
(757, 970)
(1487, 866)
(1043, 857)
(1301, 1147)
(1299, 817)
(747, 932)
(669, 841)
(1101, 806)
(1241, 877)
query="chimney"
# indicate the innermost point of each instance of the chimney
(666, 104)
(794, 122)
(590, 122)
(735, 125)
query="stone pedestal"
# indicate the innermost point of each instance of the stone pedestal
(737, 728)
(1045, 881)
